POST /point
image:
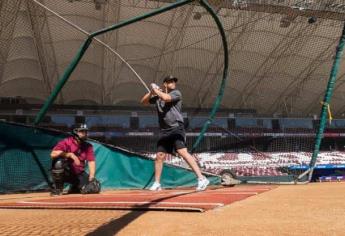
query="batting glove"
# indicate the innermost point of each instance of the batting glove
(154, 86)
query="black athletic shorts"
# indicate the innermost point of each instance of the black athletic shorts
(171, 140)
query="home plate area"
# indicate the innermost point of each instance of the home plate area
(177, 199)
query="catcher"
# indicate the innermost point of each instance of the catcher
(69, 158)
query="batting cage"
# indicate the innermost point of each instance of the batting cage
(256, 79)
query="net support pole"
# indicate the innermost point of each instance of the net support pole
(326, 102)
(68, 71)
(220, 94)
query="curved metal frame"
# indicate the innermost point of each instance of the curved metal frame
(68, 71)
(218, 100)
(87, 42)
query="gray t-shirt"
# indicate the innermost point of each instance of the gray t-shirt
(169, 114)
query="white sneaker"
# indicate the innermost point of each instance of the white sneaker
(202, 184)
(155, 187)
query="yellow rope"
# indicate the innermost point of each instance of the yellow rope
(329, 112)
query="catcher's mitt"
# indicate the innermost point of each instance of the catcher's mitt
(94, 186)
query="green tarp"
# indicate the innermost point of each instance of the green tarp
(25, 163)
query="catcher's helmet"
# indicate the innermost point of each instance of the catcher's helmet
(77, 128)
(80, 127)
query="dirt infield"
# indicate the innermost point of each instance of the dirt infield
(314, 209)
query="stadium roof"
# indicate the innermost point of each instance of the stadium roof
(281, 52)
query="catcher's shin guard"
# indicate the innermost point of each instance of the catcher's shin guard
(58, 172)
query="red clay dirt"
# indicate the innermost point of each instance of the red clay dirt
(187, 200)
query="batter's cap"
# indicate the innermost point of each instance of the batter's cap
(169, 78)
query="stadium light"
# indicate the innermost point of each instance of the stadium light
(285, 22)
(335, 6)
(286, 19)
(312, 20)
(99, 3)
(302, 5)
(239, 4)
(197, 16)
